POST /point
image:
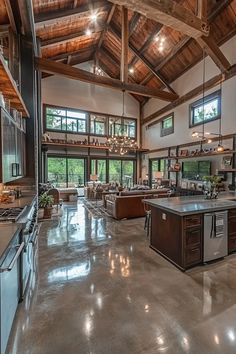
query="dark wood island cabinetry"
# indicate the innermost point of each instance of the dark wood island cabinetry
(177, 231)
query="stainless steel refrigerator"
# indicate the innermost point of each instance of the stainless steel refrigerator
(215, 235)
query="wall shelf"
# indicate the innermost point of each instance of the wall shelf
(85, 146)
(9, 89)
(227, 170)
(226, 152)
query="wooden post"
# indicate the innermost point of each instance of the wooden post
(124, 45)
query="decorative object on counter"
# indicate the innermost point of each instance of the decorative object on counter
(46, 137)
(184, 152)
(211, 184)
(46, 202)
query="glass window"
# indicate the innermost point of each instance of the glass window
(119, 126)
(57, 171)
(66, 172)
(66, 120)
(98, 167)
(167, 125)
(97, 125)
(207, 111)
(114, 171)
(127, 173)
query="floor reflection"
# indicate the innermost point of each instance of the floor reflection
(76, 225)
(69, 272)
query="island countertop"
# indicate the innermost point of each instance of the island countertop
(195, 204)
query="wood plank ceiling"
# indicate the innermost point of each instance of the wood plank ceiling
(62, 28)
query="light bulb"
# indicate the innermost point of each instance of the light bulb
(220, 148)
(88, 32)
(209, 141)
(131, 70)
(94, 17)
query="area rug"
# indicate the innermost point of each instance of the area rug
(95, 208)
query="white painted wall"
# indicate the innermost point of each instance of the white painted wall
(61, 91)
(185, 83)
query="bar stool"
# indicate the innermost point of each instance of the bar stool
(148, 215)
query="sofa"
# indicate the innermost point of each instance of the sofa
(68, 194)
(129, 204)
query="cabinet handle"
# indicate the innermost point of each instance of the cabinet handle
(194, 232)
(13, 261)
(194, 249)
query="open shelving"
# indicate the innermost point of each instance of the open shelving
(9, 89)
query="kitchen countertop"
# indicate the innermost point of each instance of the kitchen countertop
(195, 204)
(25, 200)
(7, 233)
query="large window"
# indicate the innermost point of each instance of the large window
(167, 125)
(66, 172)
(122, 171)
(98, 167)
(66, 120)
(206, 111)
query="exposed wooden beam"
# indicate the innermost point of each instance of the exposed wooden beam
(216, 11)
(124, 45)
(147, 43)
(65, 70)
(212, 49)
(169, 13)
(202, 9)
(101, 39)
(73, 53)
(168, 57)
(143, 59)
(69, 37)
(134, 22)
(211, 83)
(44, 19)
(10, 15)
(27, 20)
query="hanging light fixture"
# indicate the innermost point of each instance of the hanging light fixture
(220, 147)
(121, 143)
(203, 134)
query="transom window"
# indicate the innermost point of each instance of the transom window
(66, 120)
(167, 125)
(206, 111)
(97, 124)
(121, 126)
(76, 121)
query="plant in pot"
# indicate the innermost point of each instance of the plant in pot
(46, 202)
(211, 186)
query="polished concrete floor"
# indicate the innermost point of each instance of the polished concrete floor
(100, 289)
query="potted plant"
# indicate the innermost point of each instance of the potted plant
(211, 186)
(46, 202)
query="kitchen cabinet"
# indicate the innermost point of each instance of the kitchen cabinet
(232, 230)
(12, 152)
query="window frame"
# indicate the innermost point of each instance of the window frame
(199, 103)
(66, 109)
(88, 115)
(167, 131)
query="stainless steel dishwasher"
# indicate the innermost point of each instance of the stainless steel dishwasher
(215, 235)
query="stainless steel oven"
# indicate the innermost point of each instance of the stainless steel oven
(10, 280)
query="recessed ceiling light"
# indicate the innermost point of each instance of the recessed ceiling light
(162, 39)
(94, 17)
(156, 38)
(131, 70)
(88, 32)
(161, 48)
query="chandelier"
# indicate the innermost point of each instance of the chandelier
(121, 143)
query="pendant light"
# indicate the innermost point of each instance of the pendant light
(220, 147)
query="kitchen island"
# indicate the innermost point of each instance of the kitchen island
(177, 227)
